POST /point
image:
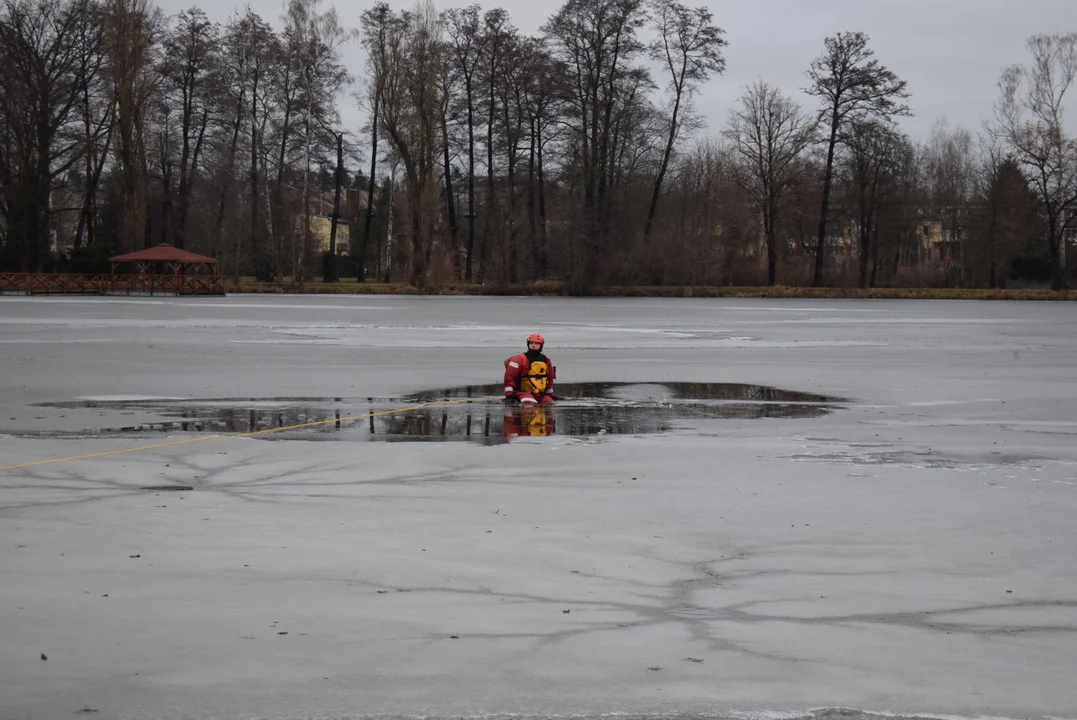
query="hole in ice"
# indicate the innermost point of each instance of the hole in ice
(468, 413)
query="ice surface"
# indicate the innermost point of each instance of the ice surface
(913, 553)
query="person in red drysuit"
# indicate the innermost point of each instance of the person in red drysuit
(529, 376)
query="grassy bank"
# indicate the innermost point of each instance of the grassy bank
(554, 289)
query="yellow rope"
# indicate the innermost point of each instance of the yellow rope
(247, 434)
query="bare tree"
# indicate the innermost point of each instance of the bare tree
(770, 132)
(97, 108)
(545, 92)
(1031, 118)
(467, 45)
(873, 149)
(374, 26)
(284, 112)
(1007, 221)
(511, 90)
(689, 46)
(447, 82)
(318, 38)
(498, 33)
(638, 130)
(597, 41)
(711, 223)
(49, 51)
(190, 71)
(132, 35)
(330, 272)
(232, 98)
(852, 86)
(253, 49)
(411, 105)
(949, 176)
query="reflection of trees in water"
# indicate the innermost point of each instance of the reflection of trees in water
(233, 420)
(456, 423)
(243, 420)
(583, 409)
(436, 424)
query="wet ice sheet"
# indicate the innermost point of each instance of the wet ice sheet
(912, 553)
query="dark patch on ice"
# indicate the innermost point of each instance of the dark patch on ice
(470, 413)
(926, 459)
(168, 488)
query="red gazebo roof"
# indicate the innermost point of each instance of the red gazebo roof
(164, 253)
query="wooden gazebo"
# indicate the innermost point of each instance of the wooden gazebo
(168, 268)
(164, 259)
(164, 270)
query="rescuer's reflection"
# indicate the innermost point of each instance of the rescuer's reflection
(528, 421)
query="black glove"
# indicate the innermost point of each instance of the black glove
(512, 400)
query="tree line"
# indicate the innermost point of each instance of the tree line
(493, 156)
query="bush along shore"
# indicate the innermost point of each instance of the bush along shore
(557, 289)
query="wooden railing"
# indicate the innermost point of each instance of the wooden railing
(72, 284)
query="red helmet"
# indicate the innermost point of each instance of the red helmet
(535, 337)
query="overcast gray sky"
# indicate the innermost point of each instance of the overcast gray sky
(950, 52)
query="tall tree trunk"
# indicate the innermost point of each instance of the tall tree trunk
(542, 269)
(301, 260)
(531, 233)
(828, 172)
(260, 267)
(331, 275)
(233, 148)
(277, 205)
(468, 272)
(132, 214)
(771, 239)
(166, 231)
(514, 250)
(874, 253)
(601, 207)
(660, 178)
(84, 219)
(450, 199)
(486, 253)
(94, 165)
(865, 248)
(1056, 237)
(185, 157)
(510, 215)
(389, 231)
(42, 204)
(166, 193)
(188, 168)
(361, 274)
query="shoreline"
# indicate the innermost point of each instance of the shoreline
(661, 291)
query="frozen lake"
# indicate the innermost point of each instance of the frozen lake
(742, 508)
